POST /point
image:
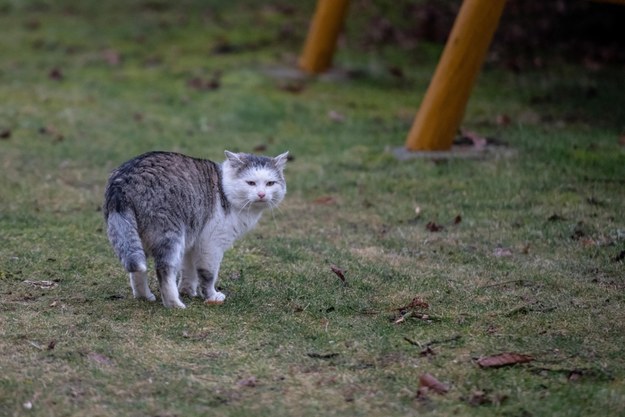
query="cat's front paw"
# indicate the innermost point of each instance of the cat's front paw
(215, 298)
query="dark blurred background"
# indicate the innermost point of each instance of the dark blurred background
(531, 34)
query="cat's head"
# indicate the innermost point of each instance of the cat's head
(254, 182)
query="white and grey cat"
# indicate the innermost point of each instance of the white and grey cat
(186, 212)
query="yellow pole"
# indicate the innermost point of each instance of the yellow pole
(443, 106)
(322, 35)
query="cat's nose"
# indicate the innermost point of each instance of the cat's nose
(261, 194)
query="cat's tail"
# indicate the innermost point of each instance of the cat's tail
(123, 234)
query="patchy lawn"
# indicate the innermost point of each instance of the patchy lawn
(378, 288)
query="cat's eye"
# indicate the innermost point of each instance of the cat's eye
(270, 183)
(252, 183)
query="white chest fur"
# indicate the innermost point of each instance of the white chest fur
(223, 230)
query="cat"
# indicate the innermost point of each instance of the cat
(185, 213)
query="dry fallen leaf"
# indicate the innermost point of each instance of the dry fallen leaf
(44, 285)
(112, 57)
(315, 355)
(339, 273)
(248, 382)
(427, 352)
(431, 383)
(205, 84)
(434, 227)
(503, 120)
(478, 141)
(326, 199)
(100, 359)
(478, 398)
(416, 303)
(503, 359)
(336, 116)
(575, 375)
(55, 74)
(502, 252)
(52, 131)
(412, 310)
(292, 87)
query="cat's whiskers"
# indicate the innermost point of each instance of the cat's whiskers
(244, 206)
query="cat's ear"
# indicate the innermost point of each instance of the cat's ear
(281, 159)
(234, 158)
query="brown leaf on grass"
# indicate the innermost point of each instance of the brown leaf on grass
(324, 200)
(555, 217)
(500, 252)
(52, 345)
(478, 141)
(196, 336)
(316, 355)
(205, 84)
(396, 71)
(32, 24)
(503, 359)
(458, 219)
(56, 74)
(260, 148)
(5, 133)
(292, 87)
(427, 352)
(503, 120)
(580, 231)
(111, 57)
(413, 309)
(336, 116)
(574, 375)
(340, 272)
(434, 227)
(44, 285)
(478, 398)
(100, 359)
(224, 46)
(432, 384)
(52, 131)
(249, 382)
(415, 304)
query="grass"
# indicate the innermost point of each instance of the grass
(530, 266)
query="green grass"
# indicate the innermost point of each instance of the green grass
(291, 339)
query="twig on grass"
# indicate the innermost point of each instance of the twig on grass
(527, 308)
(501, 284)
(315, 355)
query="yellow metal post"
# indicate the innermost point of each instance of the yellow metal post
(322, 35)
(443, 106)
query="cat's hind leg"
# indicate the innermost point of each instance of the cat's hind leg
(140, 287)
(188, 280)
(168, 258)
(208, 271)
